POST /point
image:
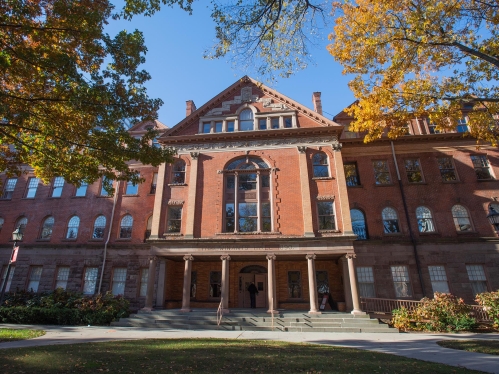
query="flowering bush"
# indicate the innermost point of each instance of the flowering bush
(490, 303)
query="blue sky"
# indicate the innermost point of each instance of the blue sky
(176, 42)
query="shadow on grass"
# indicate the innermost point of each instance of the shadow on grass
(487, 346)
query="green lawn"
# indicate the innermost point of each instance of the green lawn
(9, 335)
(490, 347)
(208, 356)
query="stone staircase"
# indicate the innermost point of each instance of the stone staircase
(249, 320)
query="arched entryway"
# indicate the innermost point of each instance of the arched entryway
(257, 274)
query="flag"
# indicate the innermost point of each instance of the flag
(14, 255)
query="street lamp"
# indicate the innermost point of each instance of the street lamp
(17, 236)
(493, 218)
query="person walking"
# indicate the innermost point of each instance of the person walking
(253, 292)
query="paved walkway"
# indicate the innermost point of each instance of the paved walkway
(414, 345)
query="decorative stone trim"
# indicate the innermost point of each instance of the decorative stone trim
(325, 198)
(329, 231)
(175, 202)
(337, 147)
(177, 184)
(172, 234)
(302, 149)
(194, 155)
(249, 233)
(322, 178)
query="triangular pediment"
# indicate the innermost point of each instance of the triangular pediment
(146, 125)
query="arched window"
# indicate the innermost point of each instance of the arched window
(99, 227)
(390, 221)
(320, 165)
(73, 225)
(493, 209)
(178, 173)
(47, 227)
(247, 196)
(21, 223)
(358, 224)
(148, 227)
(246, 122)
(425, 219)
(126, 227)
(461, 218)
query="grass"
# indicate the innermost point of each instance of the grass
(9, 335)
(208, 356)
(490, 347)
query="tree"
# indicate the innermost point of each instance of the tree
(69, 92)
(420, 58)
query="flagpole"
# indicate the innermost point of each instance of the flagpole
(16, 235)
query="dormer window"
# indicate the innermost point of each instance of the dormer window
(246, 122)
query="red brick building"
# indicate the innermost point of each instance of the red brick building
(265, 190)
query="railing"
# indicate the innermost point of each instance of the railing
(220, 312)
(272, 311)
(386, 306)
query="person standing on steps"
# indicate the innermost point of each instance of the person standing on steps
(253, 292)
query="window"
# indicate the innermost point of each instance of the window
(461, 218)
(148, 228)
(401, 281)
(462, 125)
(266, 217)
(206, 127)
(99, 227)
(358, 224)
(482, 167)
(351, 174)
(155, 143)
(229, 217)
(413, 171)
(274, 123)
(218, 126)
(73, 225)
(61, 279)
(82, 190)
(174, 219)
(294, 284)
(325, 211)
(119, 279)
(365, 278)
(320, 165)
(390, 221)
(8, 190)
(288, 123)
(477, 278)
(21, 223)
(105, 181)
(322, 281)
(262, 124)
(447, 170)
(248, 217)
(131, 188)
(230, 126)
(215, 283)
(194, 285)
(178, 174)
(493, 208)
(381, 172)
(246, 120)
(432, 127)
(1, 222)
(9, 279)
(438, 279)
(425, 220)
(144, 278)
(47, 227)
(126, 227)
(35, 275)
(57, 187)
(90, 281)
(32, 186)
(154, 183)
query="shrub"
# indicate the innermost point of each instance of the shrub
(490, 303)
(444, 312)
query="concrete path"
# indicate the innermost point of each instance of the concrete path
(413, 345)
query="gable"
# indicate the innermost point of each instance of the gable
(145, 125)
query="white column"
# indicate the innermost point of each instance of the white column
(308, 229)
(150, 284)
(236, 207)
(353, 284)
(158, 202)
(312, 285)
(160, 293)
(225, 283)
(258, 203)
(191, 196)
(271, 283)
(186, 292)
(271, 193)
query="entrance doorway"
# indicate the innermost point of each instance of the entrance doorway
(257, 274)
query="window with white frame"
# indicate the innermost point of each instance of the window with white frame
(21, 224)
(358, 224)
(119, 280)
(48, 225)
(413, 170)
(90, 281)
(105, 182)
(131, 188)
(62, 277)
(401, 281)
(9, 279)
(1, 222)
(174, 219)
(462, 125)
(493, 208)
(154, 183)
(390, 221)
(73, 225)
(32, 187)
(365, 278)
(126, 227)
(481, 166)
(57, 187)
(461, 218)
(262, 124)
(288, 122)
(381, 172)
(144, 277)
(438, 279)
(206, 127)
(82, 190)
(230, 126)
(447, 169)
(35, 274)
(178, 172)
(325, 212)
(425, 219)
(246, 122)
(218, 126)
(351, 174)
(247, 196)
(320, 165)
(8, 190)
(99, 227)
(274, 123)
(477, 278)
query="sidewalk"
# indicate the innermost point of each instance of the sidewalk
(418, 346)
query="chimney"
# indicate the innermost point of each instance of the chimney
(189, 107)
(316, 99)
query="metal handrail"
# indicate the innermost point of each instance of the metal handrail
(220, 312)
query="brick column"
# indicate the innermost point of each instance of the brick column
(308, 229)
(158, 202)
(271, 283)
(191, 196)
(225, 283)
(150, 284)
(186, 291)
(343, 203)
(353, 284)
(312, 285)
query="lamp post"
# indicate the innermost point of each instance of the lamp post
(17, 235)
(493, 218)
